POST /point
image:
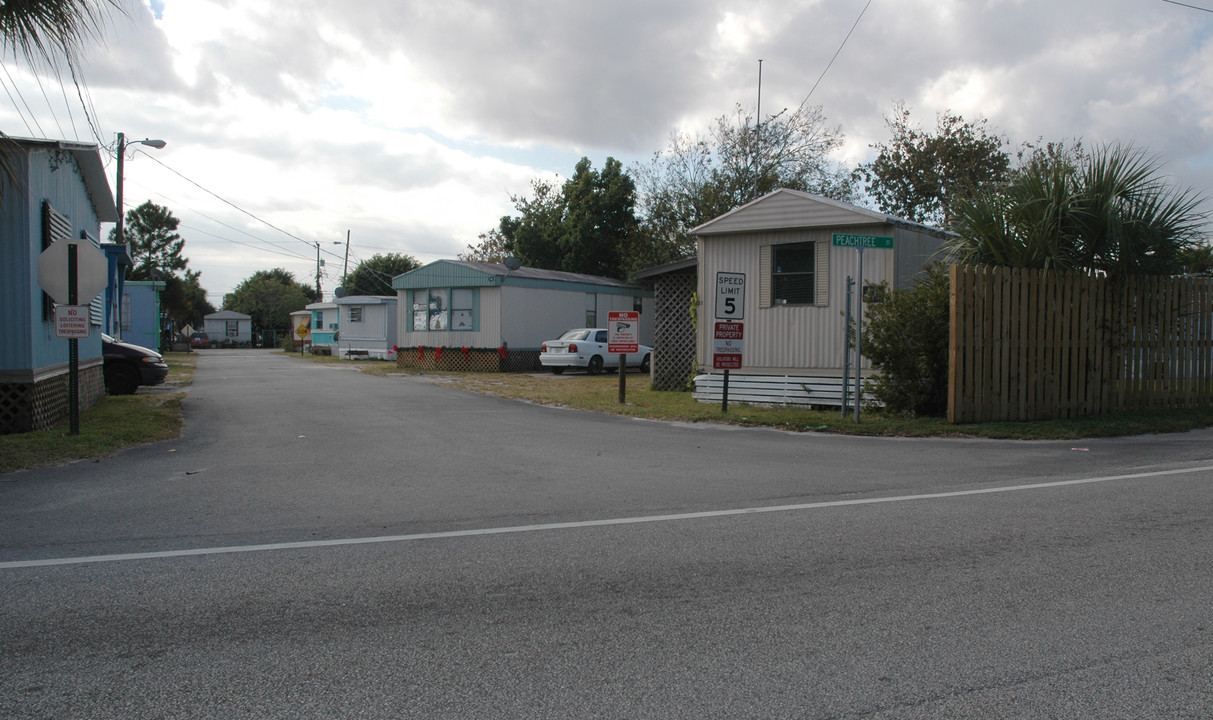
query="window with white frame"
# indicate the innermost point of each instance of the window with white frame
(439, 309)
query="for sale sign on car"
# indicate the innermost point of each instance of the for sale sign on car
(623, 332)
(728, 343)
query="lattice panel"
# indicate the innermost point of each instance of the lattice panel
(41, 406)
(673, 332)
(474, 360)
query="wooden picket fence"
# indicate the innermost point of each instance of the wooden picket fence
(1034, 345)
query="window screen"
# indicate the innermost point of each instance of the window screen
(792, 273)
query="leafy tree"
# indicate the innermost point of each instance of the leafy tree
(153, 243)
(918, 175)
(184, 300)
(699, 178)
(269, 296)
(588, 225)
(1108, 212)
(373, 276)
(491, 248)
(51, 30)
(906, 338)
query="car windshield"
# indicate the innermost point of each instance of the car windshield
(576, 335)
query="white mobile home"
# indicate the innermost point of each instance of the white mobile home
(228, 328)
(485, 316)
(796, 287)
(367, 327)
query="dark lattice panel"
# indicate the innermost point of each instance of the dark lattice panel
(40, 406)
(673, 332)
(474, 360)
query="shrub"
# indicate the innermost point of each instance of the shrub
(906, 338)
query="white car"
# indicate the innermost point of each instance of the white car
(587, 348)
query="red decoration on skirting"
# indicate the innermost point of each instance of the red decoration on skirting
(420, 353)
(501, 352)
(438, 354)
(465, 352)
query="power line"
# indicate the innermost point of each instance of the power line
(1194, 7)
(836, 52)
(309, 243)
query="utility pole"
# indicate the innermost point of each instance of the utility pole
(319, 294)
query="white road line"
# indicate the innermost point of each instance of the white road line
(581, 523)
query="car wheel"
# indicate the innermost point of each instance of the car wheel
(557, 371)
(644, 364)
(122, 380)
(595, 365)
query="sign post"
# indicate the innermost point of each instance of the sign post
(302, 331)
(623, 336)
(859, 242)
(67, 271)
(728, 335)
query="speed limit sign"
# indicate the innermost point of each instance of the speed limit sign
(730, 296)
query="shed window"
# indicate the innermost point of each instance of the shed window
(793, 273)
(233, 328)
(355, 315)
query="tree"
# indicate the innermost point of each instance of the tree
(491, 248)
(906, 338)
(588, 225)
(50, 30)
(696, 179)
(184, 300)
(1107, 212)
(269, 296)
(373, 276)
(918, 175)
(153, 243)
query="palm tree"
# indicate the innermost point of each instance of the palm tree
(51, 29)
(1108, 212)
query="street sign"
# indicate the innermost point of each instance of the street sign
(728, 343)
(302, 331)
(730, 296)
(72, 321)
(92, 271)
(863, 241)
(623, 332)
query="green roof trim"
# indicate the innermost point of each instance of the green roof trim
(461, 274)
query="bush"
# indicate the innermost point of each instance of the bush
(906, 338)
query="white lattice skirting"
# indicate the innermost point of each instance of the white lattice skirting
(774, 389)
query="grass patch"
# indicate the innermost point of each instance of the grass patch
(116, 422)
(601, 394)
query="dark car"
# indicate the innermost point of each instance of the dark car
(200, 340)
(129, 366)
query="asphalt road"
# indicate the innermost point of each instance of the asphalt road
(326, 544)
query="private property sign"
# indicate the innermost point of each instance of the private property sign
(728, 342)
(623, 332)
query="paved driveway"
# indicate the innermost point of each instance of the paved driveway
(322, 543)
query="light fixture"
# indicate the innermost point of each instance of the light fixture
(122, 144)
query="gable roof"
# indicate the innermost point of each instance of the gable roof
(786, 209)
(228, 315)
(462, 273)
(88, 159)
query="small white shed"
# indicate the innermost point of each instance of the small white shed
(228, 328)
(794, 312)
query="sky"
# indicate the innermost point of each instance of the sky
(407, 125)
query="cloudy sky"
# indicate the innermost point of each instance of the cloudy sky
(409, 123)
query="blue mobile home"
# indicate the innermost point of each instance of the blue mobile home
(54, 190)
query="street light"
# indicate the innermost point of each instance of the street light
(319, 264)
(122, 143)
